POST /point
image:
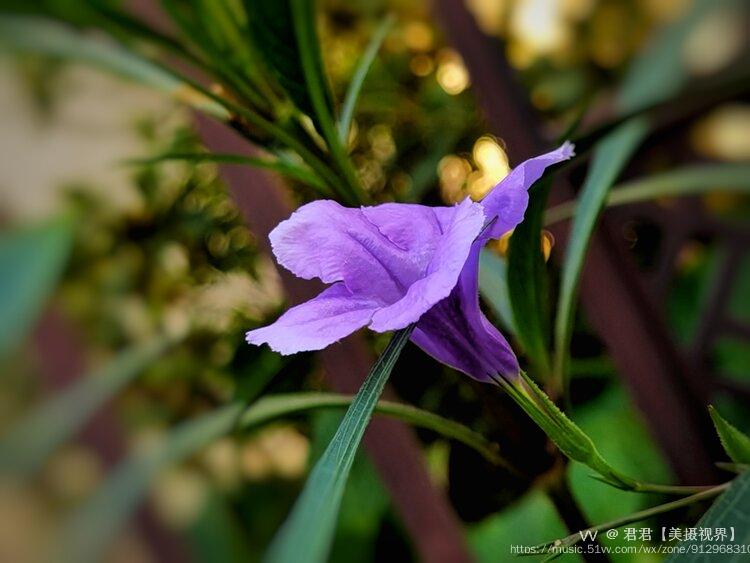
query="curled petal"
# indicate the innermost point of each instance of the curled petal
(315, 324)
(459, 226)
(508, 200)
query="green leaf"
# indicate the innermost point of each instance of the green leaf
(360, 72)
(730, 511)
(31, 261)
(272, 27)
(46, 37)
(623, 440)
(620, 434)
(279, 406)
(308, 532)
(93, 525)
(610, 157)
(45, 428)
(285, 36)
(527, 281)
(736, 443)
(303, 16)
(365, 501)
(691, 180)
(655, 75)
(525, 522)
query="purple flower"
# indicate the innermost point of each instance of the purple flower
(395, 264)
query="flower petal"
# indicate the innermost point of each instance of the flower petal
(325, 240)
(449, 248)
(456, 332)
(315, 324)
(508, 200)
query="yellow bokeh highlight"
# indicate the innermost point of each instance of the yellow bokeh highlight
(540, 26)
(703, 54)
(490, 15)
(723, 134)
(421, 65)
(492, 164)
(452, 173)
(418, 36)
(451, 73)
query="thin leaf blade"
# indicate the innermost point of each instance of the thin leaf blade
(687, 181)
(272, 28)
(609, 159)
(527, 281)
(360, 72)
(308, 532)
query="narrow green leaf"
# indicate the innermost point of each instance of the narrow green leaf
(31, 261)
(304, 18)
(609, 158)
(691, 180)
(360, 72)
(279, 406)
(527, 281)
(45, 428)
(736, 443)
(46, 37)
(284, 168)
(309, 530)
(272, 28)
(731, 511)
(123, 24)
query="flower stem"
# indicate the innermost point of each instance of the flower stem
(638, 516)
(574, 519)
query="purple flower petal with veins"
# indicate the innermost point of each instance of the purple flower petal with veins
(395, 264)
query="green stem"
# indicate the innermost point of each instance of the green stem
(572, 441)
(571, 514)
(637, 516)
(278, 406)
(308, 531)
